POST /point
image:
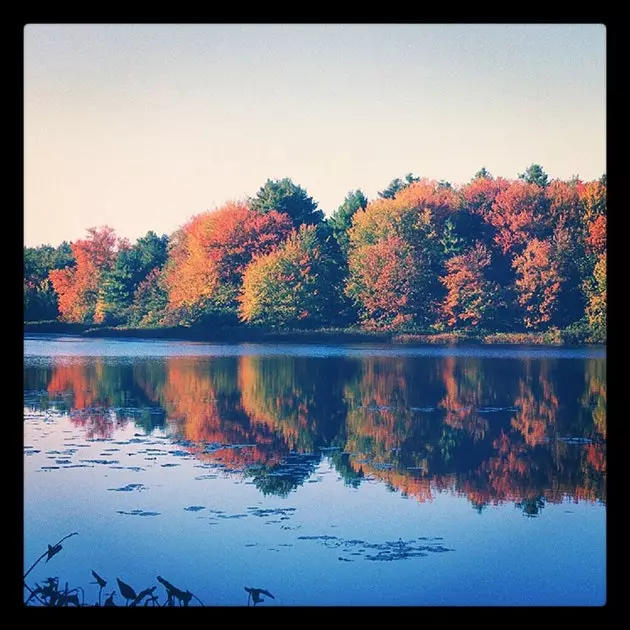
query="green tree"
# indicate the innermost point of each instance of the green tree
(283, 196)
(131, 267)
(482, 173)
(38, 261)
(294, 285)
(341, 220)
(150, 300)
(396, 185)
(40, 299)
(534, 174)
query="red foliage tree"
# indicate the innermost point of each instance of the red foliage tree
(210, 253)
(472, 298)
(77, 287)
(538, 283)
(384, 278)
(596, 239)
(517, 215)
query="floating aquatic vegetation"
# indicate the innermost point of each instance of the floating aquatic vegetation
(195, 508)
(387, 551)
(130, 487)
(263, 512)
(138, 513)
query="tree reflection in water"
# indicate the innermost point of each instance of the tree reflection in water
(527, 431)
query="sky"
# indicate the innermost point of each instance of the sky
(142, 126)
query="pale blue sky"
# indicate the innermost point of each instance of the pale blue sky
(142, 126)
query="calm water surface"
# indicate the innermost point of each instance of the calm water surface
(328, 475)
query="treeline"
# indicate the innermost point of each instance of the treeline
(493, 254)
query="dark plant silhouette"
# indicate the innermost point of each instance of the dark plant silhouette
(126, 591)
(101, 584)
(49, 592)
(255, 595)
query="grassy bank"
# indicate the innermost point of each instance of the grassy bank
(53, 326)
(242, 334)
(236, 334)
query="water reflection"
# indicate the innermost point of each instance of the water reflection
(523, 430)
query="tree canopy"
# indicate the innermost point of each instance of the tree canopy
(283, 196)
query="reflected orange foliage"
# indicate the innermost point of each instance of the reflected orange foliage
(83, 381)
(195, 410)
(536, 410)
(275, 403)
(91, 409)
(255, 410)
(462, 398)
(595, 394)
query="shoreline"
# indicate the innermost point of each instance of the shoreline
(253, 335)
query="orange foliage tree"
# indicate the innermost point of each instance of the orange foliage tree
(77, 287)
(472, 298)
(209, 254)
(480, 193)
(517, 214)
(396, 249)
(537, 283)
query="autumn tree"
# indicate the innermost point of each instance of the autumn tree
(397, 248)
(593, 198)
(473, 222)
(518, 214)
(595, 289)
(283, 196)
(77, 287)
(567, 237)
(386, 282)
(538, 282)
(472, 299)
(208, 256)
(291, 286)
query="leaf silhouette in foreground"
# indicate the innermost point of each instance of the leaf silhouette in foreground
(52, 551)
(255, 594)
(99, 580)
(125, 590)
(147, 592)
(173, 592)
(110, 600)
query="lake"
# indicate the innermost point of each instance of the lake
(359, 475)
